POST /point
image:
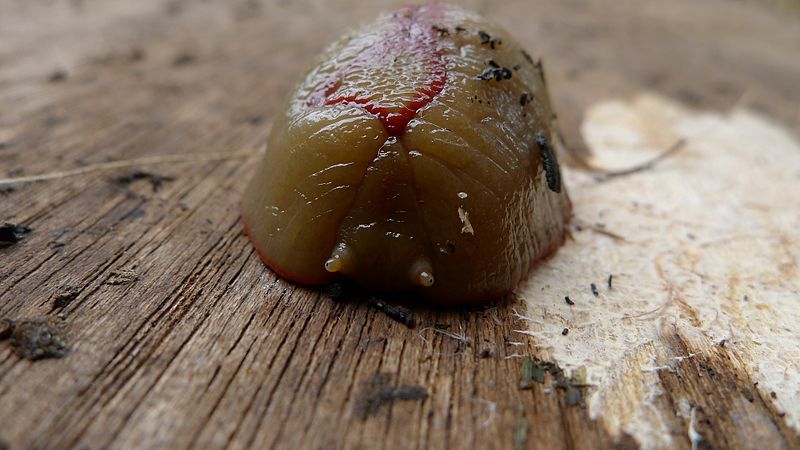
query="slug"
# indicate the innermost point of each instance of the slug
(414, 155)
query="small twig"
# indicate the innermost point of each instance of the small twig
(605, 175)
(395, 312)
(599, 230)
(125, 163)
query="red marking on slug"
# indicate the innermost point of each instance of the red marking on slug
(400, 71)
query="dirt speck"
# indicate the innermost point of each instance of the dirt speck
(6, 328)
(64, 296)
(155, 180)
(11, 233)
(183, 59)
(486, 353)
(36, 339)
(377, 392)
(254, 119)
(57, 76)
(336, 291)
(122, 277)
(136, 54)
(396, 312)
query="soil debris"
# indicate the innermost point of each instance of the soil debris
(485, 353)
(136, 54)
(255, 119)
(183, 59)
(64, 296)
(6, 328)
(535, 371)
(495, 73)
(122, 277)
(399, 313)
(34, 339)
(549, 162)
(155, 179)
(377, 392)
(531, 371)
(56, 76)
(486, 39)
(11, 233)
(336, 291)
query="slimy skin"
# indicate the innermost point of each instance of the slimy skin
(414, 155)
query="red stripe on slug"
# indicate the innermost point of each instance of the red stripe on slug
(410, 36)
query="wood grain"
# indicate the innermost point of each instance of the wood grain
(179, 337)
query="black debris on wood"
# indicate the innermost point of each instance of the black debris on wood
(336, 291)
(183, 59)
(136, 54)
(534, 371)
(11, 233)
(396, 312)
(6, 328)
(56, 76)
(155, 180)
(531, 371)
(64, 296)
(377, 392)
(38, 339)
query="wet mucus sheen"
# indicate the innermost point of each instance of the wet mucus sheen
(414, 155)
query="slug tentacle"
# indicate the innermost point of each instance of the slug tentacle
(422, 272)
(342, 259)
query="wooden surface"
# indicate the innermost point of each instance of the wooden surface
(179, 337)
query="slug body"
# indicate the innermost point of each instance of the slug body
(414, 155)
